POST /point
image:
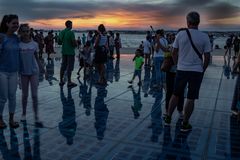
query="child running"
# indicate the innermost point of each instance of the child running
(138, 59)
(29, 71)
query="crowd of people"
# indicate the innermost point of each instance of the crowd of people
(188, 52)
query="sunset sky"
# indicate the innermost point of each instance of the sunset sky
(124, 14)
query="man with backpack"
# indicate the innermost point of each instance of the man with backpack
(188, 48)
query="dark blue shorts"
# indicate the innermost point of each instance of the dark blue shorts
(137, 73)
(190, 78)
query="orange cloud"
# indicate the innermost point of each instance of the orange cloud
(115, 20)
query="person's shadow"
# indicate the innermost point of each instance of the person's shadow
(27, 145)
(101, 112)
(13, 152)
(49, 74)
(68, 125)
(234, 137)
(117, 70)
(156, 118)
(137, 106)
(109, 70)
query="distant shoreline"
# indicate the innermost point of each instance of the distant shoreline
(216, 52)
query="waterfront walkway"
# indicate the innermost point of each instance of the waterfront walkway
(120, 123)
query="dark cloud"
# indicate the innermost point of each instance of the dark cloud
(222, 10)
(195, 2)
(169, 12)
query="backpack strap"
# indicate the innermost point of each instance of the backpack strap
(194, 47)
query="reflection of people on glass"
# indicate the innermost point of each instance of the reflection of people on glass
(36, 145)
(156, 118)
(137, 102)
(227, 68)
(178, 144)
(101, 112)
(85, 93)
(41, 73)
(117, 70)
(234, 137)
(236, 96)
(109, 70)
(50, 71)
(27, 144)
(12, 153)
(146, 81)
(68, 125)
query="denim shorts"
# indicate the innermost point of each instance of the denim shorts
(137, 73)
(193, 79)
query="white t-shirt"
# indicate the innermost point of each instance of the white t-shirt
(188, 59)
(146, 47)
(29, 64)
(160, 52)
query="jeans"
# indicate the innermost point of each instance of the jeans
(8, 88)
(160, 76)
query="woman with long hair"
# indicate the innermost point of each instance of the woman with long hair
(9, 67)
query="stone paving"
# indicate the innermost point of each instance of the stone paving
(119, 122)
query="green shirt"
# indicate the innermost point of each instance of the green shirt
(67, 36)
(138, 62)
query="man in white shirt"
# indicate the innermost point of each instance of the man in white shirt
(190, 67)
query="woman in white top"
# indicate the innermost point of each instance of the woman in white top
(29, 71)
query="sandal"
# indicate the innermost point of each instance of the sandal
(3, 125)
(14, 124)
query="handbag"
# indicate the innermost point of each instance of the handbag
(167, 64)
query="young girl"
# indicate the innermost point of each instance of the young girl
(9, 66)
(29, 70)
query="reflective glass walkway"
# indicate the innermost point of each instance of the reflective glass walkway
(120, 122)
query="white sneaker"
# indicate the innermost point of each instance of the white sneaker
(23, 118)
